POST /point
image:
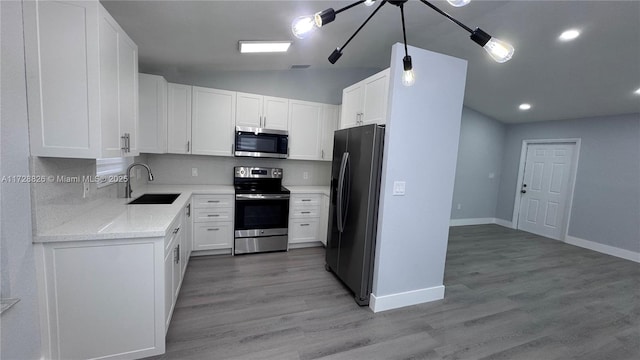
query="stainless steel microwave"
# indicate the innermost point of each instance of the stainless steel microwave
(257, 142)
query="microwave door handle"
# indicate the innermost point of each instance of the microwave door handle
(343, 165)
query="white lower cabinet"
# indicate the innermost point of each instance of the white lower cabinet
(213, 222)
(304, 219)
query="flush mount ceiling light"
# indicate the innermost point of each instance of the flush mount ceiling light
(637, 92)
(302, 26)
(524, 106)
(569, 35)
(263, 46)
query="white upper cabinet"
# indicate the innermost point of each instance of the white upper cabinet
(212, 121)
(179, 119)
(152, 96)
(329, 126)
(81, 81)
(261, 111)
(305, 124)
(366, 101)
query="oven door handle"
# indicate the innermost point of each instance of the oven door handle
(261, 196)
(339, 207)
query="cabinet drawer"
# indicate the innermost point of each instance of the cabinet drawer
(305, 200)
(213, 236)
(213, 214)
(172, 233)
(303, 230)
(209, 201)
(305, 212)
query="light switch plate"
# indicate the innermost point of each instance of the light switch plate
(398, 188)
(194, 171)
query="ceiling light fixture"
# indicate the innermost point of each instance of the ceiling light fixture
(263, 46)
(302, 26)
(637, 92)
(569, 35)
(524, 106)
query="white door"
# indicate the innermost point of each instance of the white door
(545, 191)
(248, 110)
(276, 113)
(212, 119)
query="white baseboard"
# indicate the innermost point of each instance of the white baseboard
(394, 301)
(505, 223)
(480, 221)
(474, 221)
(605, 249)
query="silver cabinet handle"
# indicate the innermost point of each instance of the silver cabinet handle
(306, 200)
(322, 156)
(305, 212)
(188, 210)
(175, 231)
(188, 146)
(213, 215)
(213, 229)
(213, 201)
(304, 224)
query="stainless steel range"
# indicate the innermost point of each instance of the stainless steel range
(262, 210)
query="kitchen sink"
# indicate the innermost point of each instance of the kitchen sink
(154, 199)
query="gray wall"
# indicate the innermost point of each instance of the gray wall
(320, 85)
(479, 155)
(176, 169)
(606, 202)
(413, 229)
(20, 324)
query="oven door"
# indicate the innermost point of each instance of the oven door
(261, 215)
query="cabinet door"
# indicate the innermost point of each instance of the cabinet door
(305, 120)
(128, 91)
(275, 113)
(329, 126)
(152, 124)
(112, 143)
(248, 110)
(376, 92)
(213, 121)
(179, 119)
(351, 106)
(168, 287)
(213, 235)
(62, 61)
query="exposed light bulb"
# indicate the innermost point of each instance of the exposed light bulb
(408, 77)
(458, 3)
(302, 26)
(369, 2)
(569, 35)
(499, 50)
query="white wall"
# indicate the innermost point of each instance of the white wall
(20, 338)
(421, 145)
(176, 169)
(479, 156)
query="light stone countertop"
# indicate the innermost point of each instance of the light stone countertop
(309, 189)
(112, 218)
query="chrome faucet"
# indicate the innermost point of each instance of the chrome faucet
(127, 188)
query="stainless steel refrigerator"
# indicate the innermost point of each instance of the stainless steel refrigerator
(353, 215)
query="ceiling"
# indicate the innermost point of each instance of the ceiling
(594, 75)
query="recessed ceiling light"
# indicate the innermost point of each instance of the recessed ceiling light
(524, 106)
(263, 46)
(569, 35)
(637, 92)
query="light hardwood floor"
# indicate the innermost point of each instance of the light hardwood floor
(509, 295)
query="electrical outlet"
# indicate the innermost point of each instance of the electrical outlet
(399, 188)
(492, 175)
(305, 175)
(194, 171)
(459, 206)
(85, 189)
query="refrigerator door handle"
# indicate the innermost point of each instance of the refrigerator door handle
(347, 172)
(343, 167)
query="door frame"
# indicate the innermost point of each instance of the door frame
(572, 179)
